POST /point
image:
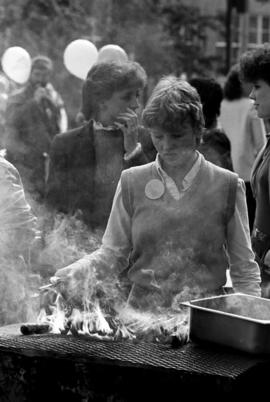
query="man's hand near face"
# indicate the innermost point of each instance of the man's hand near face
(40, 93)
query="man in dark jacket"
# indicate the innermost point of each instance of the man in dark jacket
(86, 162)
(34, 115)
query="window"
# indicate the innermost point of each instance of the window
(253, 30)
(265, 29)
(259, 30)
(258, 33)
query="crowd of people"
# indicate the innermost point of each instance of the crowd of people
(179, 187)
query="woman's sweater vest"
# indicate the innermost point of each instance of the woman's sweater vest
(179, 244)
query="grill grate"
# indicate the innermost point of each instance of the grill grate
(189, 358)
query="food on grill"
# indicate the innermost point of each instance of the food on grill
(167, 327)
(29, 329)
(101, 315)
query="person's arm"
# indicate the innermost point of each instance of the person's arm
(17, 222)
(134, 153)
(107, 261)
(114, 251)
(144, 152)
(63, 120)
(244, 271)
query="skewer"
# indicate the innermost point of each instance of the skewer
(54, 282)
(44, 287)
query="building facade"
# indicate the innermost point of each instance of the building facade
(249, 27)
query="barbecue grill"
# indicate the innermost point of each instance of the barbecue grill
(46, 366)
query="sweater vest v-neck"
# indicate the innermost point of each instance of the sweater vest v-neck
(179, 244)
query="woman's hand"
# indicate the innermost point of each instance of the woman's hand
(73, 282)
(128, 123)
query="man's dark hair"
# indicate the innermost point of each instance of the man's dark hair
(211, 95)
(104, 79)
(233, 88)
(255, 64)
(42, 62)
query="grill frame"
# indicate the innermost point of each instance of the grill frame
(190, 358)
(132, 371)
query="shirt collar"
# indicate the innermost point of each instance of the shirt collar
(99, 126)
(189, 177)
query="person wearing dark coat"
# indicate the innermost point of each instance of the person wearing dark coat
(255, 70)
(86, 162)
(34, 115)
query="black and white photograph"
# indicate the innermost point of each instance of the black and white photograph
(134, 200)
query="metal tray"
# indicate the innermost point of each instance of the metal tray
(235, 320)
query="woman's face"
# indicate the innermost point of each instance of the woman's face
(261, 95)
(119, 103)
(175, 149)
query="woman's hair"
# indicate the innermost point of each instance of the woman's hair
(211, 95)
(233, 88)
(173, 101)
(104, 79)
(255, 64)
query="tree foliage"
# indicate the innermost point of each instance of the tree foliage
(165, 36)
(188, 29)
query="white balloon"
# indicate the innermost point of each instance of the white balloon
(112, 53)
(16, 64)
(79, 56)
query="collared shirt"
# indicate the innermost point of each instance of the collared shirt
(128, 155)
(187, 181)
(117, 243)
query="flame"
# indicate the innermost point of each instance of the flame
(121, 323)
(97, 309)
(160, 327)
(57, 320)
(91, 320)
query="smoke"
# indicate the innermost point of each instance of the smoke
(17, 231)
(16, 287)
(242, 305)
(65, 239)
(98, 310)
(26, 261)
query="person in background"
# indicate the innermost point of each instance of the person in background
(86, 162)
(244, 129)
(34, 115)
(4, 93)
(161, 225)
(255, 70)
(18, 235)
(215, 145)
